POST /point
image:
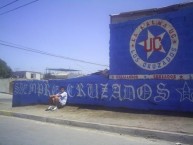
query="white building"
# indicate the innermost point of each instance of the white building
(60, 73)
(27, 75)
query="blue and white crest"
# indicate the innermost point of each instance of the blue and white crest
(154, 44)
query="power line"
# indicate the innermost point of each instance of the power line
(46, 53)
(9, 4)
(19, 7)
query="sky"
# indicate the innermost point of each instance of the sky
(74, 29)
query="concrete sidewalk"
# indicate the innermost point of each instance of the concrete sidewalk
(171, 127)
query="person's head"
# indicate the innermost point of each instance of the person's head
(62, 89)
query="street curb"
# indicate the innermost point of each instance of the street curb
(146, 133)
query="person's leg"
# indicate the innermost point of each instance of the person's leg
(51, 102)
(55, 102)
(60, 105)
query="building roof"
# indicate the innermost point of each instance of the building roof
(132, 15)
(27, 71)
(61, 69)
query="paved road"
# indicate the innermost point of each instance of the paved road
(22, 131)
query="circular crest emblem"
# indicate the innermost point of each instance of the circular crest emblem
(154, 44)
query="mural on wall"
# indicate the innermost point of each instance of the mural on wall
(159, 48)
(162, 95)
(157, 44)
(151, 68)
(108, 90)
(154, 43)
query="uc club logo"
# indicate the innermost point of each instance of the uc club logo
(154, 44)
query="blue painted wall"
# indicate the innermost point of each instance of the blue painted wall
(31, 92)
(151, 68)
(99, 90)
(130, 55)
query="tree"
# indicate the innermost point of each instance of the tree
(5, 70)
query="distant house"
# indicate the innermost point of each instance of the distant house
(27, 75)
(60, 73)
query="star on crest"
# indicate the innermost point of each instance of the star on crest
(186, 92)
(153, 43)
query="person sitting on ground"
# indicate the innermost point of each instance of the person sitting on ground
(58, 100)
